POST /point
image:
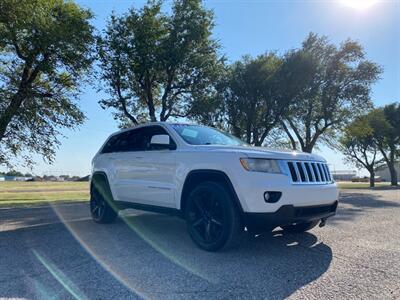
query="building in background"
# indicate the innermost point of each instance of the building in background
(384, 174)
(344, 175)
(14, 178)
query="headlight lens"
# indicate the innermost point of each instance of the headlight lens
(261, 165)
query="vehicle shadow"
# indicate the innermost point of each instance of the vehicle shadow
(364, 200)
(385, 188)
(353, 204)
(151, 256)
(270, 265)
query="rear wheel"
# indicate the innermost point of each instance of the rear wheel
(212, 218)
(101, 204)
(300, 227)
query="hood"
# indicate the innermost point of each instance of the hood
(262, 152)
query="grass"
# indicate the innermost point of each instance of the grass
(361, 185)
(14, 193)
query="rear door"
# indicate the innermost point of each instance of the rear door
(124, 162)
(120, 156)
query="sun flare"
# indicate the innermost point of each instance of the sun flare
(359, 4)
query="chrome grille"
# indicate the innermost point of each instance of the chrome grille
(309, 172)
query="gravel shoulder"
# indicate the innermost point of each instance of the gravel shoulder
(56, 251)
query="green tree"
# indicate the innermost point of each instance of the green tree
(14, 173)
(337, 90)
(154, 65)
(254, 95)
(386, 124)
(45, 49)
(358, 144)
(252, 104)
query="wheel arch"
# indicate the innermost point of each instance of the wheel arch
(195, 177)
(101, 176)
(97, 175)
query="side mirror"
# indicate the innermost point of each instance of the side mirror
(160, 140)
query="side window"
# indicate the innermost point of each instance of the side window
(135, 140)
(123, 142)
(112, 144)
(149, 133)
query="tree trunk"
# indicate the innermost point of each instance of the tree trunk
(371, 178)
(150, 99)
(27, 78)
(307, 148)
(392, 167)
(9, 113)
(248, 134)
(236, 131)
(390, 161)
(152, 111)
(291, 138)
(393, 175)
(309, 145)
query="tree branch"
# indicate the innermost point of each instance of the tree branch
(18, 50)
(164, 97)
(122, 100)
(291, 138)
(297, 133)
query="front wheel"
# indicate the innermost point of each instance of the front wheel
(300, 227)
(101, 204)
(212, 218)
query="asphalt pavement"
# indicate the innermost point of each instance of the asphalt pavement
(57, 252)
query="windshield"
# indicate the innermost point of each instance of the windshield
(202, 135)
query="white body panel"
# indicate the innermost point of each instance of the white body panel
(143, 177)
(157, 177)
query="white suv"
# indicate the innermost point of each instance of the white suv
(217, 183)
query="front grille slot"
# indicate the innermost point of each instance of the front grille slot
(292, 171)
(301, 171)
(306, 172)
(327, 173)
(316, 173)
(309, 172)
(321, 172)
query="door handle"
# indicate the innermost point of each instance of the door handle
(139, 157)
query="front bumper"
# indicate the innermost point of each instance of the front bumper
(288, 214)
(251, 186)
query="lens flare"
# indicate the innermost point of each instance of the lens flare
(91, 251)
(359, 4)
(60, 277)
(145, 236)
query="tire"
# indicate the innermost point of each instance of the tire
(102, 207)
(300, 227)
(212, 218)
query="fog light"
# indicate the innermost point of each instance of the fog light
(266, 196)
(272, 197)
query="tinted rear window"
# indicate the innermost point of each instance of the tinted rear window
(133, 140)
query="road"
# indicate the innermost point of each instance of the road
(58, 252)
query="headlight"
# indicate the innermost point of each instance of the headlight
(261, 165)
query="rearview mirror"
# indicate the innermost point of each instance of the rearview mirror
(160, 139)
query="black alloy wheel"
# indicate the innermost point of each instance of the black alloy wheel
(212, 219)
(100, 210)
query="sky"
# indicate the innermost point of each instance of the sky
(250, 27)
